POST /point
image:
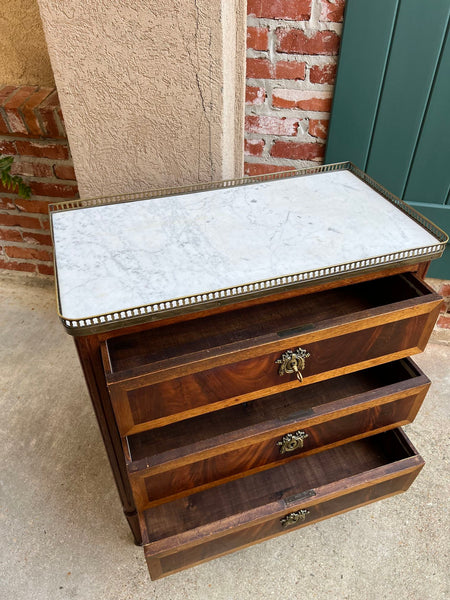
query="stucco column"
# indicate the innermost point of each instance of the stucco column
(152, 92)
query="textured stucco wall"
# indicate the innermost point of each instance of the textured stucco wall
(23, 50)
(152, 92)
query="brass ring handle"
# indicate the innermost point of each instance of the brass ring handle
(293, 362)
(292, 441)
(294, 517)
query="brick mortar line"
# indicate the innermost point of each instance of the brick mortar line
(285, 137)
(15, 212)
(267, 157)
(25, 229)
(271, 23)
(282, 162)
(290, 84)
(32, 137)
(38, 216)
(261, 111)
(27, 261)
(42, 160)
(15, 258)
(40, 141)
(270, 138)
(308, 26)
(59, 125)
(52, 180)
(49, 199)
(311, 60)
(304, 138)
(38, 116)
(24, 121)
(304, 123)
(41, 198)
(296, 165)
(43, 139)
(295, 113)
(26, 245)
(31, 274)
(316, 11)
(252, 53)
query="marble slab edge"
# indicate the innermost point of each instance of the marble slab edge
(130, 316)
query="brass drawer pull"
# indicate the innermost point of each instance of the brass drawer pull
(292, 441)
(293, 362)
(294, 517)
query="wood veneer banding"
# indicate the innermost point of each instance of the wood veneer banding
(322, 483)
(191, 455)
(216, 377)
(303, 313)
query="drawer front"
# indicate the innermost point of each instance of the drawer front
(139, 406)
(167, 563)
(184, 531)
(301, 439)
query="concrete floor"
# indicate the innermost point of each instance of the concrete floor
(63, 535)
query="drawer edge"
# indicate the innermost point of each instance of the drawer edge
(279, 508)
(186, 365)
(330, 412)
(153, 561)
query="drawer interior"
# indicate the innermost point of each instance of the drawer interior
(209, 430)
(300, 314)
(263, 494)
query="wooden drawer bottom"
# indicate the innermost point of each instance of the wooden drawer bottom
(217, 521)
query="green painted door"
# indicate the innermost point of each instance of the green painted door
(391, 108)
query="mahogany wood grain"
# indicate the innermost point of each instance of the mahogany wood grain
(257, 496)
(156, 394)
(218, 447)
(194, 529)
(207, 434)
(233, 465)
(169, 563)
(306, 313)
(88, 349)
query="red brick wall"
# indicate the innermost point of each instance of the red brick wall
(32, 130)
(292, 53)
(292, 50)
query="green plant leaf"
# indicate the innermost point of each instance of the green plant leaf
(6, 162)
(14, 183)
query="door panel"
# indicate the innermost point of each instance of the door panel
(390, 108)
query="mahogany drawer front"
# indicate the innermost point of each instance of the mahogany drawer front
(397, 324)
(221, 520)
(192, 455)
(177, 561)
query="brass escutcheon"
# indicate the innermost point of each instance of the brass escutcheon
(292, 441)
(294, 517)
(293, 362)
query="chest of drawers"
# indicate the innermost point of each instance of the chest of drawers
(234, 411)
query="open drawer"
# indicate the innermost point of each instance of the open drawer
(208, 450)
(175, 372)
(211, 523)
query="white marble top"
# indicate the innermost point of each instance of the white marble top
(114, 257)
